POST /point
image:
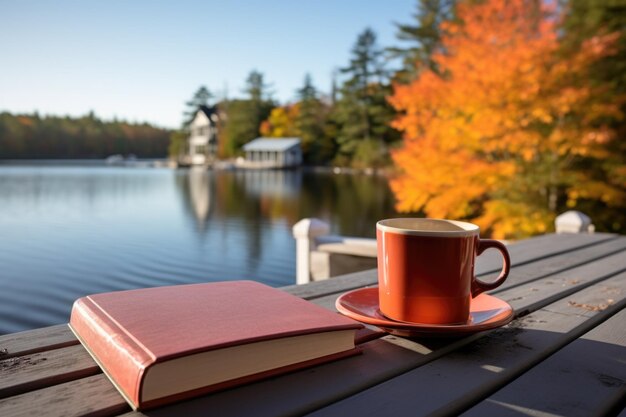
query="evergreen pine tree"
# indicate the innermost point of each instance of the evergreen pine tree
(362, 112)
(256, 88)
(200, 98)
(243, 117)
(424, 36)
(317, 147)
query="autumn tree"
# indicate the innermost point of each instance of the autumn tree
(282, 122)
(498, 133)
(308, 119)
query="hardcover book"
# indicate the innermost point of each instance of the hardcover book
(160, 345)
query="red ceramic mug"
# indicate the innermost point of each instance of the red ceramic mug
(426, 269)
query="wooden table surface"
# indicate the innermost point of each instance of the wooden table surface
(564, 354)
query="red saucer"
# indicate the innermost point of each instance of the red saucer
(486, 312)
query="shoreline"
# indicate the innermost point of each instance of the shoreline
(167, 163)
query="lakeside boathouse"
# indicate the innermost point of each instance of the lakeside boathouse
(266, 152)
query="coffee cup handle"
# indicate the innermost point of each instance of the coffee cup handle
(479, 286)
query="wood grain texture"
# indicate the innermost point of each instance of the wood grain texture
(334, 285)
(31, 341)
(537, 294)
(562, 263)
(37, 370)
(92, 396)
(541, 247)
(585, 378)
(456, 381)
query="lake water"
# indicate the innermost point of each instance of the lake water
(68, 231)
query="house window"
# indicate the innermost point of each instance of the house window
(200, 149)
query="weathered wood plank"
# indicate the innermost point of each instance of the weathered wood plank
(534, 295)
(31, 341)
(33, 371)
(534, 271)
(456, 381)
(334, 285)
(585, 378)
(92, 396)
(522, 253)
(540, 247)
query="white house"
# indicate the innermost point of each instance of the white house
(202, 142)
(273, 153)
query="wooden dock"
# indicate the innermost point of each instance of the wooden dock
(563, 355)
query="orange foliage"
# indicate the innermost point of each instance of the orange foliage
(492, 137)
(281, 122)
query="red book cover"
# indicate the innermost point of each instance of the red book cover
(130, 332)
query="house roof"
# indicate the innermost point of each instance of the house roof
(208, 111)
(271, 144)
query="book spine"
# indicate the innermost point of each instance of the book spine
(119, 356)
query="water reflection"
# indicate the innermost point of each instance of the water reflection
(196, 190)
(71, 231)
(350, 203)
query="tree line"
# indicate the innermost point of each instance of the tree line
(30, 136)
(350, 126)
(502, 112)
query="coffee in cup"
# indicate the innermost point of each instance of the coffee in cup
(426, 269)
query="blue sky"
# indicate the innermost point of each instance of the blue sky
(141, 60)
